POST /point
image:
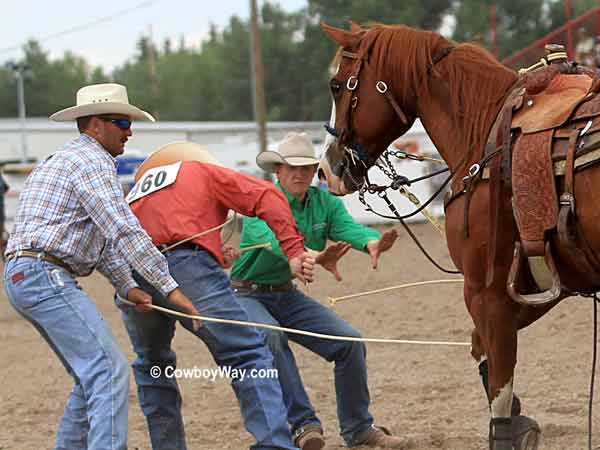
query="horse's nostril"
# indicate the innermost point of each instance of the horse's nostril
(321, 175)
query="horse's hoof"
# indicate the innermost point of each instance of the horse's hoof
(526, 433)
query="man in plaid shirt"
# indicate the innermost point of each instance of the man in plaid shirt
(72, 219)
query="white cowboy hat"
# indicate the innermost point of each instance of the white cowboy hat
(174, 152)
(296, 149)
(97, 99)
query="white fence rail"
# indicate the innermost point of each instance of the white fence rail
(233, 143)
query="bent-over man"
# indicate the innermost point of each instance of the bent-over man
(181, 194)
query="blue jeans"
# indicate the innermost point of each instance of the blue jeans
(207, 285)
(95, 417)
(293, 309)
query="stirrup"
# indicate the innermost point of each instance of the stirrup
(540, 298)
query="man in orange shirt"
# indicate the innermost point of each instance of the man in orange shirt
(181, 192)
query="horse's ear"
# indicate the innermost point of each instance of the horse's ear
(342, 37)
(354, 27)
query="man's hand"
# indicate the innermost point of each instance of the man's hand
(329, 257)
(303, 266)
(141, 299)
(377, 247)
(230, 255)
(178, 298)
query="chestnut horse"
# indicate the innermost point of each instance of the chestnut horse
(388, 76)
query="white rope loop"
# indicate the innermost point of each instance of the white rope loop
(343, 298)
(295, 331)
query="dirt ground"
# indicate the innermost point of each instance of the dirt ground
(431, 393)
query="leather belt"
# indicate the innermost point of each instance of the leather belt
(39, 255)
(248, 285)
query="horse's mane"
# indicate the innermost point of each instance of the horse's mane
(467, 69)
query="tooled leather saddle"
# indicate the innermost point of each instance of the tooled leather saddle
(549, 127)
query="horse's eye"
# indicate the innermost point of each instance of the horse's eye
(335, 87)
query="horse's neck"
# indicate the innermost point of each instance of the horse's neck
(460, 134)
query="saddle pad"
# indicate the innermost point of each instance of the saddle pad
(552, 107)
(535, 203)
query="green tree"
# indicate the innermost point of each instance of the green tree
(518, 24)
(557, 14)
(281, 36)
(50, 85)
(235, 85)
(8, 94)
(426, 14)
(316, 50)
(140, 77)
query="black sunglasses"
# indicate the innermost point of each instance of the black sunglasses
(122, 124)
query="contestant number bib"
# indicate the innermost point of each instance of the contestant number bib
(154, 180)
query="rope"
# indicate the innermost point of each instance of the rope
(544, 62)
(274, 327)
(334, 300)
(266, 245)
(300, 332)
(392, 208)
(415, 201)
(401, 154)
(202, 233)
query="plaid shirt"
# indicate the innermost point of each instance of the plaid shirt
(72, 207)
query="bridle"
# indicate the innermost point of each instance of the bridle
(381, 87)
(355, 153)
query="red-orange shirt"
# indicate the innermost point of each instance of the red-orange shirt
(200, 199)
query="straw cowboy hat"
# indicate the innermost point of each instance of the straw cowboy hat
(174, 152)
(296, 149)
(97, 99)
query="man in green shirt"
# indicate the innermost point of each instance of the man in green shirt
(263, 284)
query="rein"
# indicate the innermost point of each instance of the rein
(383, 195)
(398, 181)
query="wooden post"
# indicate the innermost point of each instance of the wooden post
(259, 100)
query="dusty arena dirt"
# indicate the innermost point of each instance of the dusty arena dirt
(431, 393)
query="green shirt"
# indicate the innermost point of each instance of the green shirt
(320, 217)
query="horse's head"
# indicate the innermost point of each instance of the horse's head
(366, 116)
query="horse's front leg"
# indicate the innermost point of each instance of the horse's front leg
(495, 347)
(479, 355)
(498, 330)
